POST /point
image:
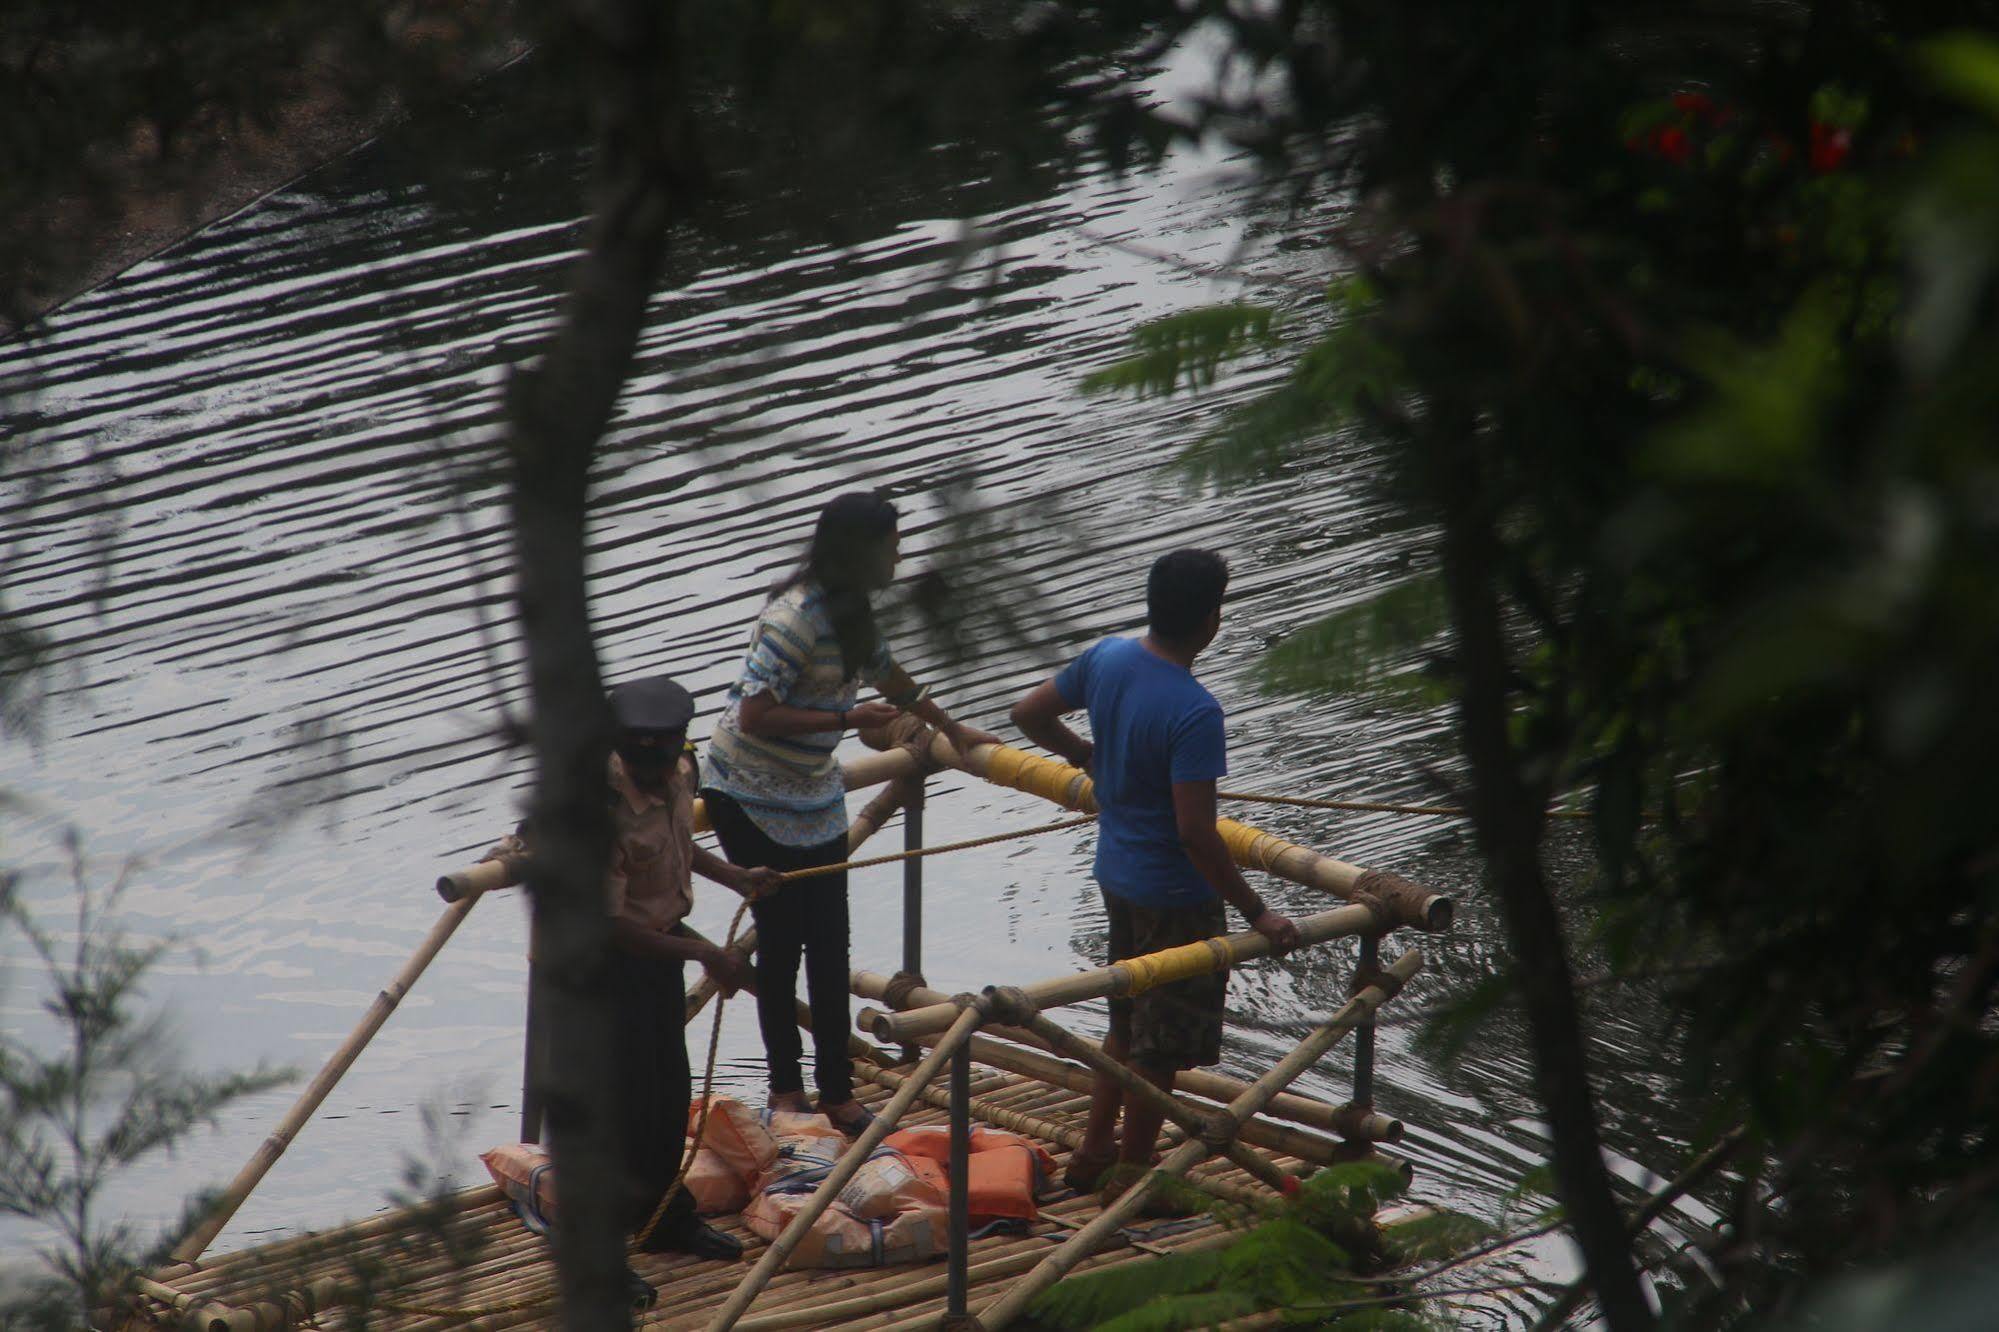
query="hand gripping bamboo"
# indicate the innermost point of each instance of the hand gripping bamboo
(1191, 1152)
(1399, 901)
(1132, 976)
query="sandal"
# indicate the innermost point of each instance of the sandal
(855, 1124)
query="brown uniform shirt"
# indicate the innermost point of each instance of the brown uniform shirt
(651, 882)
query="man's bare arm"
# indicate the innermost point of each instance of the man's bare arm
(1039, 716)
(1194, 816)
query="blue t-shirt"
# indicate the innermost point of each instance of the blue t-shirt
(1152, 724)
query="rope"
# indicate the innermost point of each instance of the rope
(679, 1179)
(1377, 806)
(817, 870)
(707, 1093)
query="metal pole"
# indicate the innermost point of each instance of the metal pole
(912, 893)
(956, 1284)
(912, 881)
(1363, 1037)
(531, 1097)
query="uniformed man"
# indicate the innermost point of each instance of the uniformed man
(649, 891)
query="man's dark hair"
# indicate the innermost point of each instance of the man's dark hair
(1184, 588)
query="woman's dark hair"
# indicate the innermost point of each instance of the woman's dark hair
(1184, 588)
(844, 557)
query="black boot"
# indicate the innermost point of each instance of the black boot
(700, 1239)
(640, 1291)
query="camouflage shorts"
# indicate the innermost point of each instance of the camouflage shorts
(1174, 1026)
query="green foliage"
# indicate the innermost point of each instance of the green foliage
(1678, 335)
(1301, 1262)
(1186, 349)
(1432, 1236)
(104, 1095)
(1365, 647)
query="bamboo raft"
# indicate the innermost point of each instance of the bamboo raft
(469, 1263)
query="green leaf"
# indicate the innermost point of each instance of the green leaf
(1178, 1313)
(1434, 1235)
(1966, 65)
(1087, 1300)
(1761, 428)
(1336, 383)
(1191, 346)
(1353, 1190)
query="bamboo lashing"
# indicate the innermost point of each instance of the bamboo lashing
(1353, 1122)
(1400, 901)
(197, 1240)
(1132, 976)
(884, 1122)
(1182, 1158)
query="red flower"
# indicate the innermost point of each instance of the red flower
(1694, 104)
(1671, 142)
(1830, 147)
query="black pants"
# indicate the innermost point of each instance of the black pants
(807, 918)
(654, 1086)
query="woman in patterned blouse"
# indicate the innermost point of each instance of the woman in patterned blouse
(774, 790)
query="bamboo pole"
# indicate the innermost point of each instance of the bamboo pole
(787, 1240)
(1175, 1109)
(1400, 901)
(1134, 975)
(1355, 1123)
(926, 1287)
(266, 1155)
(1308, 1052)
(1078, 1080)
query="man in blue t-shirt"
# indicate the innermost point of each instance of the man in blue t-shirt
(1158, 750)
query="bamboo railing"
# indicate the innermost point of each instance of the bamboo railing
(1189, 1153)
(1356, 1123)
(1395, 900)
(1131, 976)
(1376, 902)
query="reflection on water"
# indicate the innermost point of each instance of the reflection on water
(254, 519)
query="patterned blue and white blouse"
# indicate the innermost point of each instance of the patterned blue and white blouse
(790, 785)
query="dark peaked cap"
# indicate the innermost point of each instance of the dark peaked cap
(652, 703)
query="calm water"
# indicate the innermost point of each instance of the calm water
(281, 611)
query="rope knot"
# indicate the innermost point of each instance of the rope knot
(1218, 1132)
(1365, 975)
(896, 993)
(1010, 1006)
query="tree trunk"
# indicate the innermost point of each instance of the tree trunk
(557, 412)
(1508, 815)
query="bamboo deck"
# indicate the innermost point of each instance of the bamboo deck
(400, 1258)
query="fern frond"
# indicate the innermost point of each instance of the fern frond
(1338, 381)
(1435, 1235)
(1191, 346)
(1365, 647)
